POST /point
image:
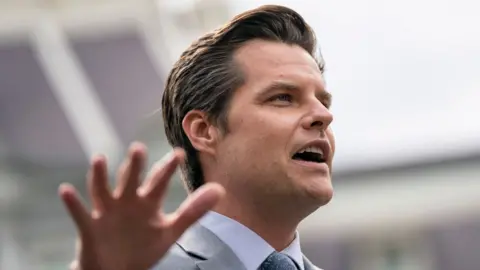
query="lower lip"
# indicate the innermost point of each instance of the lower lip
(312, 165)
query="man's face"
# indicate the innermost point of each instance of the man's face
(280, 111)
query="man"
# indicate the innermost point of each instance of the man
(247, 110)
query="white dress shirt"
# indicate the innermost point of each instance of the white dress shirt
(249, 247)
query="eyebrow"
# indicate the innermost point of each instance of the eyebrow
(324, 96)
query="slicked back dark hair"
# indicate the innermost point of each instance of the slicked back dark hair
(206, 76)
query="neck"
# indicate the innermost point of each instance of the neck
(276, 228)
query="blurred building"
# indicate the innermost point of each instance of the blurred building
(81, 77)
(421, 215)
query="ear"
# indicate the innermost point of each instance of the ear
(202, 134)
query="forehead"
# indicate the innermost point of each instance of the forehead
(267, 60)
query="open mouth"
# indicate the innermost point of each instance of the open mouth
(310, 154)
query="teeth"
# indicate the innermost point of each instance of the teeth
(312, 149)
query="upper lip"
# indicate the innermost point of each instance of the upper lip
(324, 145)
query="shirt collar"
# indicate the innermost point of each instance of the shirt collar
(294, 250)
(241, 240)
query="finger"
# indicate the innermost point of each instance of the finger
(74, 265)
(157, 180)
(99, 189)
(196, 205)
(129, 175)
(75, 208)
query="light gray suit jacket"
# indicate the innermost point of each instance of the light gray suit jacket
(200, 249)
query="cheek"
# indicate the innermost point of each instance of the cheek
(331, 139)
(266, 135)
(261, 133)
(255, 140)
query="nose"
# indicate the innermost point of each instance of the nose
(319, 117)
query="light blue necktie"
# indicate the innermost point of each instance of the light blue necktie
(278, 261)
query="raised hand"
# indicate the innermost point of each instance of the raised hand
(126, 229)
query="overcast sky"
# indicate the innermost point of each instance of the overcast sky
(403, 75)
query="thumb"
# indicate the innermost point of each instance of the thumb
(195, 206)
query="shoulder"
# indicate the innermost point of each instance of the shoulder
(176, 259)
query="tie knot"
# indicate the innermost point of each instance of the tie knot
(278, 261)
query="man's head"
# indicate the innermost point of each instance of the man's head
(248, 104)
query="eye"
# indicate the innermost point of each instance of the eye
(282, 98)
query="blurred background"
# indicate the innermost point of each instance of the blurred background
(82, 77)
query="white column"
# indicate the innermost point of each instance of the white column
(74, 92)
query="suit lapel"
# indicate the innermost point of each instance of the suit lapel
(224, 259)
(204, 244)
(308, 265)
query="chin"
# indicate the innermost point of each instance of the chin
(319, 191)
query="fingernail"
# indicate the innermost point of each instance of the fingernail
(136, 145)
(96, 158)
(167, 157)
